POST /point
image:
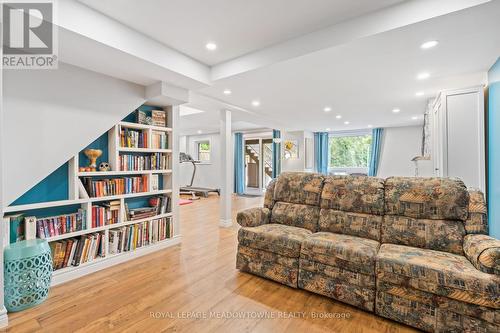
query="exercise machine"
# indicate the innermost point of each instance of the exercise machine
(194, 190)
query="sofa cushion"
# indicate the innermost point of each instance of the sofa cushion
(299, 187)
(275, 238)
(440, 235)
(477, 223)
(302, 216)
(426, 198)
(440, 273)
(347, 223)
(354, 194)
(348, 252)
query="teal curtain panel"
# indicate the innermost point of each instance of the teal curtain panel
(321, 152)
(276, 153)
(375, 151)
(239, 164)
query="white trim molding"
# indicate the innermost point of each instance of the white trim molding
(4, 318)
(226, 223)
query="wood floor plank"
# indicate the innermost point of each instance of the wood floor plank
(172, 289)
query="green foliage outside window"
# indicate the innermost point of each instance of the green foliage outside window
(350, 151)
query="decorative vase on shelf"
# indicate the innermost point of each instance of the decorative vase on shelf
(92, 155)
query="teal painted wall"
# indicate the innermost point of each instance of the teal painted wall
(52, 188)
(494, 149)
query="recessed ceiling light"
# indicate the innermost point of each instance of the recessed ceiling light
(396, 110)
(370, 126)
(414, 118)
(338, 116)
(255, 103)
(423, 76)
(327, 109)
(428, 45)
(346, 122)
(199, 131)
(227, 92)
(211, 46)
(328, 129)
(419, 93)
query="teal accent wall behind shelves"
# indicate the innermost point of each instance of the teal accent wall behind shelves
(52, 188)
(494, 149)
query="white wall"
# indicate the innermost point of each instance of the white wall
(399, 146)
(296, 164)
(50, 115)
(207, 175)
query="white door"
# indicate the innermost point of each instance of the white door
(464, 153)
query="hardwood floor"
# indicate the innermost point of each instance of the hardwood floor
(173, 289)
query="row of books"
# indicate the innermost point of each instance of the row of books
(105, 213)
(158, 205)
(138, 235)
(76, 251)
(156, 161)
(115, 186)
(58, 225)
(130, 138)
(159, 140)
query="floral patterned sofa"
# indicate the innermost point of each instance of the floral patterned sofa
(414, 250)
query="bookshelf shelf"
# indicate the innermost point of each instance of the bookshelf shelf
(60, 203)
(130, 195)
(144, 150)
(158, 183)
(142, 126)
(123, 173)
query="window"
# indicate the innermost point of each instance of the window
(203, 151)
(350, 152)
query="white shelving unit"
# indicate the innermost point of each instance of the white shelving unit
(78, 196)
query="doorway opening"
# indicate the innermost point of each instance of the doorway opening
(258, 164)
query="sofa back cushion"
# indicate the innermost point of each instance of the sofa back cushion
(299, 188)
(426, 198)
(348, 223)
(354, 194)
(353, 206)
(296, 215)
(425, 212)
(439, 235)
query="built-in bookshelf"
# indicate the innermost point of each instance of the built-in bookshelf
(130, 207)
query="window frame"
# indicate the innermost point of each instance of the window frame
(347, 170)
(196, 149)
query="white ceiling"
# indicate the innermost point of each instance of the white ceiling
(362, 77)
(237, 26)
(365, 79)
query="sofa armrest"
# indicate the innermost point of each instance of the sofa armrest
(483, 252)
(253, 217)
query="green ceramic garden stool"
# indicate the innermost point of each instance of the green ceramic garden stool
(27, 274)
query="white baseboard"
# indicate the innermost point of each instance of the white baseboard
(226, 223)
(4, 319)
(70, 273)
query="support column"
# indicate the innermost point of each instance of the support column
(226, 168)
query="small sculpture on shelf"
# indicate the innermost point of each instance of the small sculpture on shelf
(104, 166)
(92, 155)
